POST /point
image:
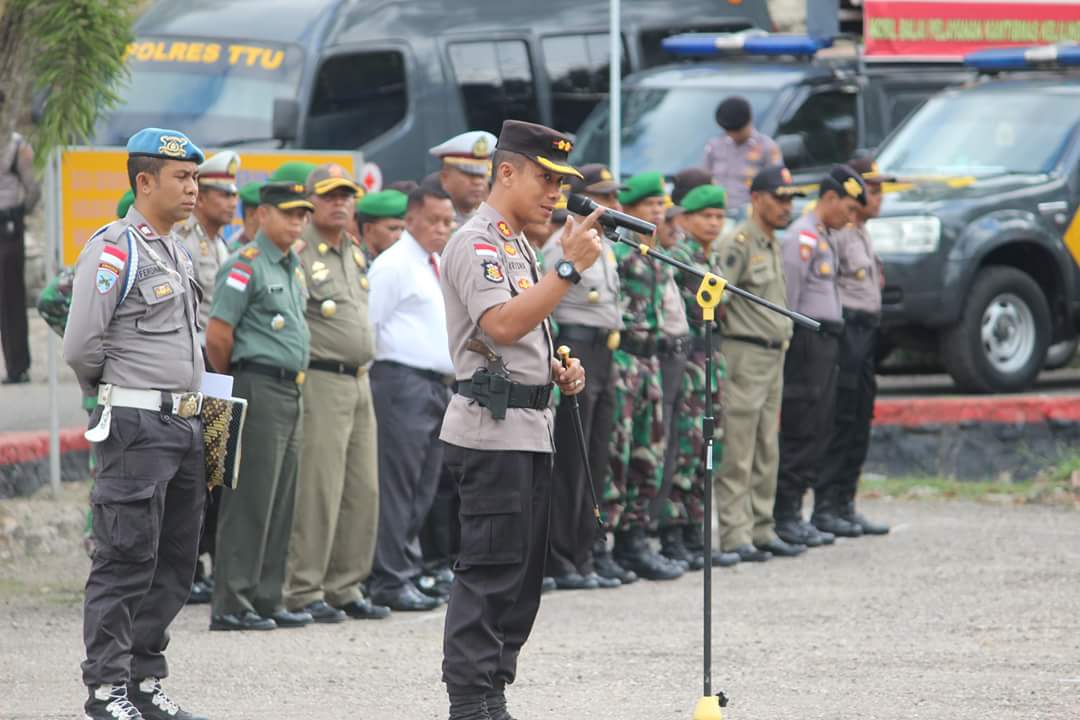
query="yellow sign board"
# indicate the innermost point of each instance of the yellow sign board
(92, 181)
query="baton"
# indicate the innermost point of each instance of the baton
(579, 430)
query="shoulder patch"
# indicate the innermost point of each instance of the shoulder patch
(485, 249)
(249, 251)
(807, 238)
(492, 271)
(239, 277)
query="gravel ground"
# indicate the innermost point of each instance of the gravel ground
(966, 611)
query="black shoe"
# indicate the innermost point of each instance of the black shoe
(150, 698)
(794, 532)
(246, 620)
(320, 612)
(749, 553)
(548, 585)
(406, 599)
(287, 619)
(432, 586)
(672, 547)
(826, 538)
(836, 525)
(604, 583)
(364, 609)
(471, 706)
(869, 527)
(200, 593)
(779, 548)
(21, 378)
(110, 702)
(495, 702)
(725, 559)
(606, 567)
(633, 552)
(574, 581)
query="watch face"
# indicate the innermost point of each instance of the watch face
(565, 269)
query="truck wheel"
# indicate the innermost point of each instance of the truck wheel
(1060, 354)
(1000, 342)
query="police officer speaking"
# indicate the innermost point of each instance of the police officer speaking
(498, 427)
(132, 340)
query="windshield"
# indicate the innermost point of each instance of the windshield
(218, 93)
(663, 129)
(985, 133)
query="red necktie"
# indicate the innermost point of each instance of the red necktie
(434, 265)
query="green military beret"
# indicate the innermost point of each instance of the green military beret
(126, 201)
(249, 194)
(383, 204)
(642, 186)
(703, 197)
(294, 172)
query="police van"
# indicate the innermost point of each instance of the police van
(386, 77)
(981, 243)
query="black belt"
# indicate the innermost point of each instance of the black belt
(584, 334)
(862, 317)
(270, 371)
(697, 344)
(640, 346)
(834, 328)
(333, 366)
(14, 213)
(760, 342)
(669, 346)
(429, 374)
(533, 397)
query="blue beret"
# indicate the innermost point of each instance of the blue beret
(164, 144)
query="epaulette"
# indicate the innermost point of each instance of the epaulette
(740, 238)
(250, 252)
(355, 240)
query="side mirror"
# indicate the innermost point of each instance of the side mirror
(793, 148)
(285, 125)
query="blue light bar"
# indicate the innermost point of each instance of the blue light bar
(1023, 58)
(747, 43)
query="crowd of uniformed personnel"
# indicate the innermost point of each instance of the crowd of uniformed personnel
(410, 435)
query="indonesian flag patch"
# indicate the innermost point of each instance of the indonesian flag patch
(239, 277)
(807, 242)
(486, 250)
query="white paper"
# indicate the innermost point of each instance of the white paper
(215, 385)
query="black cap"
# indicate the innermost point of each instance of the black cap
(845, 182)
(869, 170)
(285, 196)
(733, 113)
(776, 180)
(545, 147)
(686, 180)
(597, 179)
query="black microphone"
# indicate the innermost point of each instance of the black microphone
(581, 205)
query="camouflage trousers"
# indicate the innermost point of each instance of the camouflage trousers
(686, 503)
(636, 464)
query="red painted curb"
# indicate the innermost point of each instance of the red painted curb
(21, 447)
(1006, 409)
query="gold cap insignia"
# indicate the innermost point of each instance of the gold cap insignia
(298, 189)
(785, 175)
(173, 146)
(563, 145)
(234, 166)
(852, 187)
(480, 148)
(605, 174)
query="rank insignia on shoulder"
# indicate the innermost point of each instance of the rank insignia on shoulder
(364, 283)
(510, 249)
(492, 271)
(524, 283)
(250, 252)
(145, 230)
(358, 257)
(504, 229)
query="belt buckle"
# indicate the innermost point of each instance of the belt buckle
(613, 340)
(189, 405)
(300, 377)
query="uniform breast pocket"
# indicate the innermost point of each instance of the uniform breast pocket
(277, 297)
(164, 298)
(760, 273)
(326, 289)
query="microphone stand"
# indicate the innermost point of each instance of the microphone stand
(710, 290)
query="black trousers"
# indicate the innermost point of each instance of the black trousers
(147, 508)
(573, 525)
(409, 408)
(855, 393)
(14, 333)
(439, 535)
(806, 412)
(505, 508)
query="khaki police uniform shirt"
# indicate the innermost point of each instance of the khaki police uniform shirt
(673, 321)
(148, 340)
(260, 292)
(752, 261)
(859, 277)
(18, 186)
(484, 265)
(810, 268)
(337, 304)
(734, 166)
(594, 302)
(209, 254)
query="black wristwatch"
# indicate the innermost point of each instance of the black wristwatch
(565, 269)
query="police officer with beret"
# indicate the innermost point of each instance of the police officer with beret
(810, 264)
(498, 428)
(258, 333)
(132, 340)
(466, 170)
(380, 217)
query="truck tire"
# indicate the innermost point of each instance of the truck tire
(1000, 343)
(1060, 354)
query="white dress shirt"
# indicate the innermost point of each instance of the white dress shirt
(406, 308)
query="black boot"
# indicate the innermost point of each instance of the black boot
(831, 523)
(632, 551)
(673, 548)
(148, 695)
(469, 706)
(110, 702)
(496, 704)
(606, 567)
(869, 527)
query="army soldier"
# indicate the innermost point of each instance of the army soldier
(589, 322)
(380, 216)
(498, 427)
(466, 171)
(258, 333)
(754, 344)
(740, 153)
(249, 212)
(810, 263)
(636, 465)
(859, 281)
(132, 340)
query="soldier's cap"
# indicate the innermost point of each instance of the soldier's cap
(383, 204)
(295, 172)
(596, 179)
(330, 177)
(776, 180)
(126, 201)
(249, 194)
(220, 171)
(845, 182)
(704, 197)
(672, 210)
(686, 180)
(545, 147)
(642, 186)
(164, 144)
(470, 152)
(285, 196)
(870, 172)
(733, 113)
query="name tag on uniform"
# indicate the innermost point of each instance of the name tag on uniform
(274, 289)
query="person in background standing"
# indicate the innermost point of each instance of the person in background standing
(466, 171)
(380, 217)
(735, 157)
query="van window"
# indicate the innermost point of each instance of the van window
(827, 125)
(578, 67)
(357, 98)
(496, 81)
